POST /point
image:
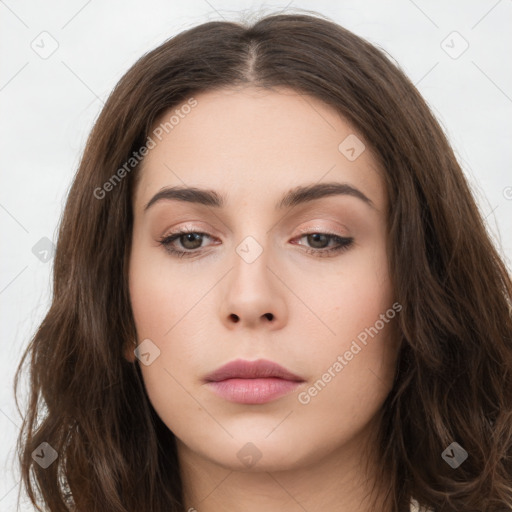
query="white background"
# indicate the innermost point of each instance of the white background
(48, 107)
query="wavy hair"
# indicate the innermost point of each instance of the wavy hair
(453, 380)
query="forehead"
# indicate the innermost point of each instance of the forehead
(255, 142)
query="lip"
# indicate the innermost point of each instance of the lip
(252, 382)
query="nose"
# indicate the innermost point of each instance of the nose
(253, 295)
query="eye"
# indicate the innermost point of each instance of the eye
(320, 243)
(191, 241)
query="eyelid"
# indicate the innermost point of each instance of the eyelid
(322, 229)
(188, 228)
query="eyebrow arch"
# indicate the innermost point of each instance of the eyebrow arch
(298, 195)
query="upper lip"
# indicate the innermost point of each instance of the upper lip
(243, 369)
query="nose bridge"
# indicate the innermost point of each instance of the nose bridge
(251, 230)
(250, 272)
(251, 248)
(253, 236)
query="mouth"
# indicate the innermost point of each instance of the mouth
(252, 382)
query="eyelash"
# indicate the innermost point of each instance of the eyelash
(344, 243)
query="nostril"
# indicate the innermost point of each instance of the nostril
(270, 316)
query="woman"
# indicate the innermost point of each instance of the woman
(272, 291)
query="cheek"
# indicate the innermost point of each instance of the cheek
(351, 299)
(153, 305)
(160, 314)
(155, 302)
(167, 310)
(353, 372)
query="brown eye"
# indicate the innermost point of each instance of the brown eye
(319, 243)
(190, 240)
(318, 240)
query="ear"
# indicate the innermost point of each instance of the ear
(128, 351)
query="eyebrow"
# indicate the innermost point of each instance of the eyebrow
(298, 195)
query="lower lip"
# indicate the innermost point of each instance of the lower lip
(253, 391)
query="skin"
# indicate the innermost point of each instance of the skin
(253, 146)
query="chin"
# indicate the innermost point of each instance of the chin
(245, 453)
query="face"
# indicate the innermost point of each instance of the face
(268, 273)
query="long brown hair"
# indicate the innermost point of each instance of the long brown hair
(453, 379)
